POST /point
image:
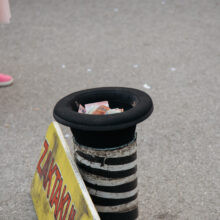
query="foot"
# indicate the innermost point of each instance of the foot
(5, 80)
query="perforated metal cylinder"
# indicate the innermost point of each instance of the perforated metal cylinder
(110, 175)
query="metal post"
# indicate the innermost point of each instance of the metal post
(110, 177)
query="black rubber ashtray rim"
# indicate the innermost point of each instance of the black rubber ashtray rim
(141, 107)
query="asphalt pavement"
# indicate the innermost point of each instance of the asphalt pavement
(167, 48)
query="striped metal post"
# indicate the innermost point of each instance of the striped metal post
(110, 177)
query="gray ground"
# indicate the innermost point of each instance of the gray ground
(53, 48)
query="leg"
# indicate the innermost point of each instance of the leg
(5, 13)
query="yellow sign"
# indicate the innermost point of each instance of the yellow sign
(57, 190)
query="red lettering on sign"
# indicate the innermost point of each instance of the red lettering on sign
(42, 157)
(46, 167)
(49, 177)
(72, 213)
(63, 200)
(56, 197)
(58, 178)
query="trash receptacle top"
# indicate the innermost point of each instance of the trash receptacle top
(137, 107)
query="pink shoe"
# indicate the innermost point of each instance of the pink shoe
(5, 80)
